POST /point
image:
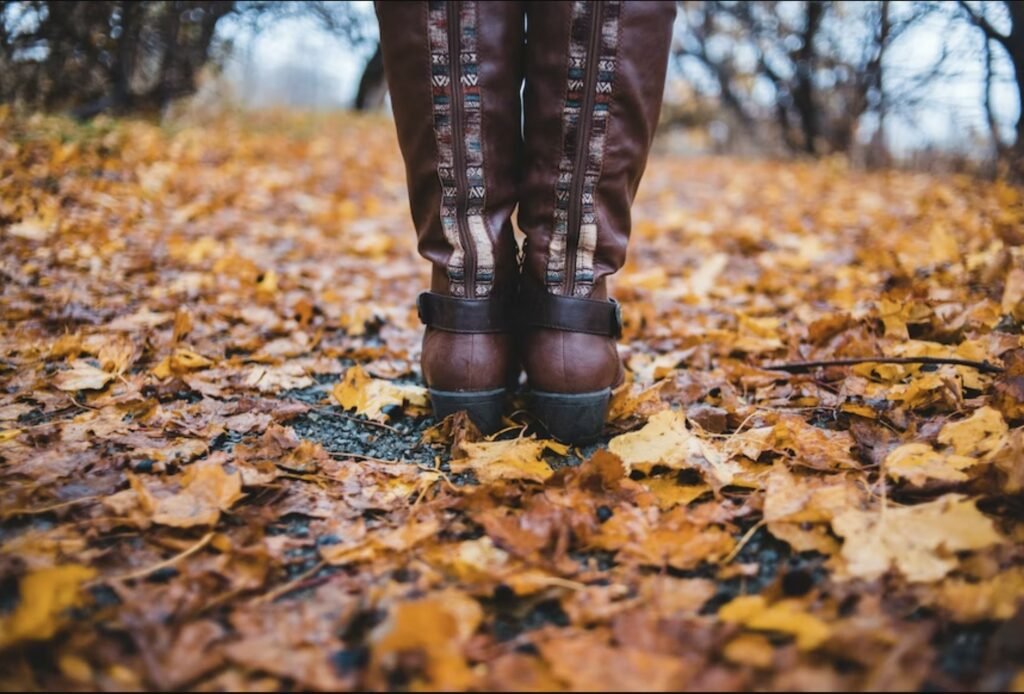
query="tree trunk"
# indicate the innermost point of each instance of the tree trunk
(1015, 47)
(372, 86)
(803, 94)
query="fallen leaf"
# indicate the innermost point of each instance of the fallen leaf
(586, 662)
(44, 596)
(182, 361)
(750, 649)
(371, 396)
(436, 627)
(666, 440)
(786, 616)
(207, 490)
(919, 541)
(82, 376)
(919, 462)
(996, 598)
(980, 434)
(516, 459)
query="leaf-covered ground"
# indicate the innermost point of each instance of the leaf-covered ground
(218, 472)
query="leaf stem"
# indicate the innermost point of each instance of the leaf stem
(203, 541)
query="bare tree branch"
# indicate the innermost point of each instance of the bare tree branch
(980, 21)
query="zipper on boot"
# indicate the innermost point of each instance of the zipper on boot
(459, 149)
(582, 142)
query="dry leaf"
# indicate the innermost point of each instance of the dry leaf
(919, 541)
(787, 616)
(207, 490)
(371, 396)
(436, 627)
(43, 598)
(82, 376)
(517, 459)
(666, 440)
(919, 462)
(980, 434)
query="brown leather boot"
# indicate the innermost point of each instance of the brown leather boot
(595, 73)
(454, 70)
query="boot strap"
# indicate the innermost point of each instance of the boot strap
(457, 315)
(541, 309)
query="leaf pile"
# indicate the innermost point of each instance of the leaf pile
(216, 472)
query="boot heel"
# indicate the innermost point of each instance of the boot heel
(484, 406)
(572, 417)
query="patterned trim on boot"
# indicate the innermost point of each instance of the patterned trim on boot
(583, 17)
(444, 96)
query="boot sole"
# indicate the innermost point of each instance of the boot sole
(572, 417)
(484, 407)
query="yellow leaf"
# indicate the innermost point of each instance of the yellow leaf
(33, 229)
(982, 433)
(921, 391)
(8, 435)
(1013, 293)
(997, 598)
(370, 396)
(274, 379)
(437, 627)
(375, 245)
(757, 335)
(44, 596)
(786, 616)
(82, 376)
(267, 283)
(670, 493)
(919, 462)
(117, 354)
(666, 440)
(919, 540)
(654, 278)
(75, 668)
(518, 459)
(807, 499)
(750, 649)
(629, 402)
(398, 539)
(943, 246)
(896, 314)
(180, 362)
(208, 490)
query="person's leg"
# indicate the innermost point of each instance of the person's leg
(454, 70)
(595, 74)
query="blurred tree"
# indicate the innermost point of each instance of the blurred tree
(816, 66)
(95, 56)
(1011, 41)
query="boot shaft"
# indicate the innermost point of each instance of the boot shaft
(454, 73)
(595, 74)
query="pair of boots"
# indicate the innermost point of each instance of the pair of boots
(568, 151)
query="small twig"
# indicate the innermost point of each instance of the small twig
(78, 404)
(205, 540)
(563, 583)
(45, 509)
(330, 413)
(800, 366)
(360, 456)
(291, 585)
(743, 541)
